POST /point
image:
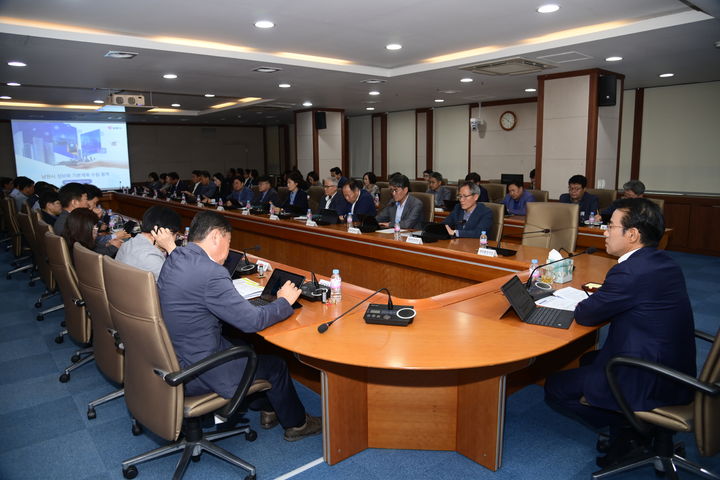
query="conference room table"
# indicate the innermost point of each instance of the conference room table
(439, 383)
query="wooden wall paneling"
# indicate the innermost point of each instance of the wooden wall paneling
(637, 133)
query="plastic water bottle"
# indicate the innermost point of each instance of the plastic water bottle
(247, 205)
(272, 208)
(154, 194)
(184, 200)
(185, 237)
(111, 219)
(309, 214)
(349, 221)
(335, 287)
(534, 271)
(483, 239)
(199, 201)
(377, 200)
(396, 231)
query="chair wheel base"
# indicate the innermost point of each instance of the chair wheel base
(64, 378)
(59, 339)
(136, 429)
(40, 318)
(38, 304)
(91, 413)
(251, 436)
(31, 284)
(75, 358)
(250, 477)
(130, 472)
(195, 458)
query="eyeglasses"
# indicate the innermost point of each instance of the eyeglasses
(610, 227)
(461, 197)
(328, 186)
(396, 189)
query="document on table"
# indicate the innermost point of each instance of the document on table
(388, 230)
(247, 288)
(564, 299)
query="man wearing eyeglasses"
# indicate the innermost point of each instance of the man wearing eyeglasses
(577, 194)
(469, 218)
(405, 210)
(333, 200)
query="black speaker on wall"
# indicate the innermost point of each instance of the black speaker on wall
(607, 90)
(320, 121)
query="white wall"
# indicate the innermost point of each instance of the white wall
(450, 146)
(565, 126)
(329, 144)
(607, 143)
(494, 151)
(360, 144)
(304, 140)
(401, 142)
(680, 148)
(421, 144)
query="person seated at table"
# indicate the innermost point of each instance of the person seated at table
(333, 199)
(631, 189)
(370, 184)
(164, 185)
(475, 178)
(577, 194)
(239, 196)
(81, 226)
(72, 195)
(532, 179)
(94, 195)
(337, 174)
(517, 198)
(175, 185)
(644, 298)
(23, 191)
(206, 188)
(6, 183)
(404, 210)
(439, 192)
(50, 206)
(469, 218)
(426, 174)
(197, 296)
(297, 199)
(312, 179)
(360, 201)
(266, 194)
(148, 249)
(222, 188)
(154, 182)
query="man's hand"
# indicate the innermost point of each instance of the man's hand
(384, 224)
(450, 231)
(116, 242)
(289, 292)
(121, 235)
(164, 239)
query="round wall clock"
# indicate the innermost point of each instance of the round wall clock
(508, 120)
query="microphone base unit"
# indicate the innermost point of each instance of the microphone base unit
(398, 315)
(504, 252)
(314, 293)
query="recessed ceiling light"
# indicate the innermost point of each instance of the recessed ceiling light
(307, 104)
(121, 55)
(662, 75)
(373, 81)
(530, 90)
(98, 101)
(613, 59)
(264, 24)
(393, 46)
(170, 76)
(12, 84)
(5, 97)
(466, 80)
(209, 95)
(373, 92)
(448, 92)
(439, 100)
(266, 69)
(548, 8)
(284, 85)
(17, 64)
(175, 105)
(370, 108)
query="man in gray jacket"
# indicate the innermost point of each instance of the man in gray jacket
(405, 209)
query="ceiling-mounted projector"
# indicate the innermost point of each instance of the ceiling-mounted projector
(129, 101)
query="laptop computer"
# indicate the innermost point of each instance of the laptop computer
(525, 307)
(432, 232)
(231, 264)
(368, 223)
(327, 216)
(276, 281)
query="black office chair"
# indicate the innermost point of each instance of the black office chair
(660, 424)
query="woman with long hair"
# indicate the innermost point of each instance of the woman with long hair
(81, 226)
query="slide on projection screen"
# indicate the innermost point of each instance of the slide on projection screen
(63, 152)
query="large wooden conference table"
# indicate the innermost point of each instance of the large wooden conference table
(441, 382)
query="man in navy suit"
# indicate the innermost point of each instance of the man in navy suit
(469, 218)
(577, 193)
(333, 199)
(197, 294)
(645, 299)
(266, 194)
(360, 201)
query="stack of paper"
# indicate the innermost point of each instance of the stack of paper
(564, 299)
(247, 288)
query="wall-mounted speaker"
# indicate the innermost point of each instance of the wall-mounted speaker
(607, 90)
(320, 121)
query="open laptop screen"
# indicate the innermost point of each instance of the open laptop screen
(519, 298)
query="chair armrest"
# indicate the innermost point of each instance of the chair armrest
(687, 380)
(182, 376)
(704, 336)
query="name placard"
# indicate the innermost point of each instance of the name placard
(274, 217)
(487, 252)
(354, 230)
(415, 240)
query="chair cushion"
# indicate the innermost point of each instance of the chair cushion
(676, 417)
(209, 402)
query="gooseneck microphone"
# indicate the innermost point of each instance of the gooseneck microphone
(589, 251)
(248, 268)
(322, 328)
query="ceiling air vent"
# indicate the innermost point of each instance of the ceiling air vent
(510, 66)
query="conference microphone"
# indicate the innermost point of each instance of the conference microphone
(248, 268)
(397, 315)
(589, 251)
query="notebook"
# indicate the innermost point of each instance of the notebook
(525, 307)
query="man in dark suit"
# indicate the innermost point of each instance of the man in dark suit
(197, 294)
(405, 209)
(266, 194)
(175, 185)
(333, 199)
(469, 218)
(360, 201)
(337, 174)
(588, 202)
(475, 178)
(645, 299)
